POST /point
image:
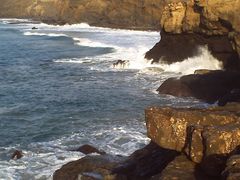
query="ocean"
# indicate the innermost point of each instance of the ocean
(59, 90)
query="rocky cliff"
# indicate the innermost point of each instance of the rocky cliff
(188, 24)
(140, 14)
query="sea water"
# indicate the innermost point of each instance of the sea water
(59, 90)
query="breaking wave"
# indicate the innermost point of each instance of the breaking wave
(44, 34)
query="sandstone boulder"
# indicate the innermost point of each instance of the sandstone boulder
(206, 136)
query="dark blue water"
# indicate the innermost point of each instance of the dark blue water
(48, 106)
(39, 97)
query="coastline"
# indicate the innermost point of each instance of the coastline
(193, 135)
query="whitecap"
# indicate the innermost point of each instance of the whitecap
(90, 43)
(44, 34)
(73, 60)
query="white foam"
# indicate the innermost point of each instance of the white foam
(202, 61)
(44, 34)
(89, 43)
(74, 60)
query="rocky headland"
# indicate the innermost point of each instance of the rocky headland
(185, 143)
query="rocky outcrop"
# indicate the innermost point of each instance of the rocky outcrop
(89, 167)
(209, 87)
(186, 25)
(141, 165)
(206, 136)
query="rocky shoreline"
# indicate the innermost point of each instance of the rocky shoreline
(185, 143)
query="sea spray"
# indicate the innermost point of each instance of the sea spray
(204, 60)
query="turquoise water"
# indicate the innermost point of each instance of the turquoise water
(58, 90)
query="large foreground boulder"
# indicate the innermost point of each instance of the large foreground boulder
(206, 136)
(208, 87)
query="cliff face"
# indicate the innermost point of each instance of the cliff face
(114, 13)
(202, 22)
(209, 17)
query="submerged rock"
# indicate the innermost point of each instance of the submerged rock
(121, 64)
(208, 87)
(88, 149)
(17, 155)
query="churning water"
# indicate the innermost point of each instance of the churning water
(59, 90)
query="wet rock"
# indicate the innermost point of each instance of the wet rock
(17, 155)
(146, 162)
(208, 87)
(232, 96)
(34, 28)
(178, 47)
(121, 64)
(141, 165)
(89, 167)
(202, 71)
(88, 149)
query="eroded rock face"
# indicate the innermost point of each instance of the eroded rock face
(133, 14)
(208, 87)
(206, 136)
(201, 22)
